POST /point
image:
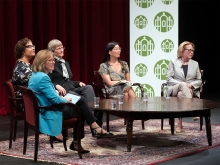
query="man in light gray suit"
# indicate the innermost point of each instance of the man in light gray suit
(183, 75)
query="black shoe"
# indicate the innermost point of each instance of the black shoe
(101, 135)
(56, 139)
(72, 147)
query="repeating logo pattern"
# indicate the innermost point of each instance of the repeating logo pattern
(140, 21)
(160, 69)
(144, 46)
(153, 43)
(144, 3)
(140, 70)
(163, 21)
(147, 88)
(167, 45)
(167, 2)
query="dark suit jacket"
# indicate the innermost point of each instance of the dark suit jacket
(57, 77)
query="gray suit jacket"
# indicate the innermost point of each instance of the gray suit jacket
(175, 75)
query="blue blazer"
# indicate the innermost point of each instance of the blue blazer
(50, 121)
(175, 75)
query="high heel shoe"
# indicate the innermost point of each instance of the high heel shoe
(72, 147)
(101, 134)
(56, 139)
(196, 118)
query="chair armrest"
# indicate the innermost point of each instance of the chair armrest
(141, 88)
(16, 99)
(201, 86)
(49, 108)
(100, 87)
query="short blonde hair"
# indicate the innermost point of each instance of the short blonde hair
(53, 44)
(40, 59)
(182, 47)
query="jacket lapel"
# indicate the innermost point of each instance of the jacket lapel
(179, 65)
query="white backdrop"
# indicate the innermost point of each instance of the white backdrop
(153, 42)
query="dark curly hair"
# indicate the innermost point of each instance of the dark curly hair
(20, 47)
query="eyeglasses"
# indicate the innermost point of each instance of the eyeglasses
(61, 48)
(190, 50)
(51, 61)
(30, 46)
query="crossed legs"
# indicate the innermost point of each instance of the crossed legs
(181, 90)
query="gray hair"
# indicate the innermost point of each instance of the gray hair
(53, 44)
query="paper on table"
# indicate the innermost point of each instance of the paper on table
(74, 98)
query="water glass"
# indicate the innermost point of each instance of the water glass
(113, 104)
(120, 99)
(145, 96)
(96, 101)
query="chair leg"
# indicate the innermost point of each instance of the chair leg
(64, 132)
(25, 138)
(107, 121)
(142, 123)
(161, 124)
(36, 145)
(125, 121)
(15, 130)
(201, 122)
(11, 132)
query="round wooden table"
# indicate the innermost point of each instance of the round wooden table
(158, 108)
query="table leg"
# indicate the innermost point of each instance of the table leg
(172, 125)
(129, 129)
(208, 130)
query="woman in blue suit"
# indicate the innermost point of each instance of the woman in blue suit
(51, 121)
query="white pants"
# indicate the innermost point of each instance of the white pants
(181, 90)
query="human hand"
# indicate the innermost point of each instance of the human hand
(82, 84)
(189, 86)
(68, 99)
(61, 90)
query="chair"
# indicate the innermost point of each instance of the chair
(98, 85)
(32, 110)
(163, 91)
(15, 116)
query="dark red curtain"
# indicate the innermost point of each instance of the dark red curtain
(83, 26)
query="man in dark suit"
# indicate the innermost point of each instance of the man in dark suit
(62, 77)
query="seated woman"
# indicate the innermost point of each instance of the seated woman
(24, 52)
(183, 75)
(113, 70)
(44, 89)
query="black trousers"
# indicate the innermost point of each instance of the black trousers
(86, 115)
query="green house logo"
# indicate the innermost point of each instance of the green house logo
(163, 21)
(160, 69)
(144, 3)
(147, 88)
(140, 22)
(144, 46)
(167, 2)
(167, 45)
(140, 70)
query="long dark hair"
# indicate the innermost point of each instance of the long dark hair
(109, 47)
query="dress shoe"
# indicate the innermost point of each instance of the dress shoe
(73, 146)
(56, 139)
(101, 135)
